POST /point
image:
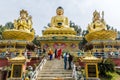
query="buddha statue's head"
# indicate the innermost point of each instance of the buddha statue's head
(96, 16)
(60, 11)
(23, 14)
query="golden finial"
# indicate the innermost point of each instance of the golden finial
(20, 53)
(24, 12)
(102, 14)
(95, 13)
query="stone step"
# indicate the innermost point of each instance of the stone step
(54, 75)
(54, 72)
(55, 78)
(54, 68)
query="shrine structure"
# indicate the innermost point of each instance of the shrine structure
(60, 34)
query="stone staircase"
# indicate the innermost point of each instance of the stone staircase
(54, 70)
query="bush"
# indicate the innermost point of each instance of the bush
(106, 66)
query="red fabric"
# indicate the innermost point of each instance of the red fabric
(116, 61)
(59, 53)
(4, 62)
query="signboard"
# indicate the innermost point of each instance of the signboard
(92, 71)
(17, 69)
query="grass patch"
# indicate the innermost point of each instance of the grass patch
(111, 76)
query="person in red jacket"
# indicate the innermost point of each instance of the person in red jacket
(59, 53)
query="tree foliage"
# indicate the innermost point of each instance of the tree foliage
(105, 66)
(76, 27)
(36, 42)
(2, 28)
(84, 41)
(9, 25)
(30, 46)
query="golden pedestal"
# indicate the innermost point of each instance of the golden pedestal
(91, 67)
(101, 35)
(18, 67)
(18, 35)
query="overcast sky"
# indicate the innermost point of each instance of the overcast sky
(79, 11)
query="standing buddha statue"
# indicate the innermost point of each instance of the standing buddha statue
(24, 22)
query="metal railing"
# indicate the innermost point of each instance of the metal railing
(14, 79)
(77, 73)
(74, 74)
(38, 69)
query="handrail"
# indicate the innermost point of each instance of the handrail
(74, 74)
(77, 75)
(38, 68)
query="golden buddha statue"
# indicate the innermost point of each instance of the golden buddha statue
(59, 21)
(24, 22)
(98, 23)
(59, 25)
(98, 30)
(22, 28)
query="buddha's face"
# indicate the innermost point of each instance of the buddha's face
(97, 17)
(59, 11)
(23, 15)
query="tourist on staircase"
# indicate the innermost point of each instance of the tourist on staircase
(50, 53)
(59, 53)
(70, 58)
(44, 51)
(55, 53)
(65, 60)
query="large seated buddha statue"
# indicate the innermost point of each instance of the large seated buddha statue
(59, 25)
(22, 28)
(59, 21)
(98, 30)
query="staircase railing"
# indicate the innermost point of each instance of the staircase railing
(38, 68)
(74, 74)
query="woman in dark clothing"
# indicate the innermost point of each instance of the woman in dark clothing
(44, 51)
(55, 53)
(70, 60)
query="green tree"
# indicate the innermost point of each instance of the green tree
(30, 46)
(36, 42)
(9, 25)
(2, 28)
(108, 27)
(77, 28)
(107, 65)
(84, 41)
